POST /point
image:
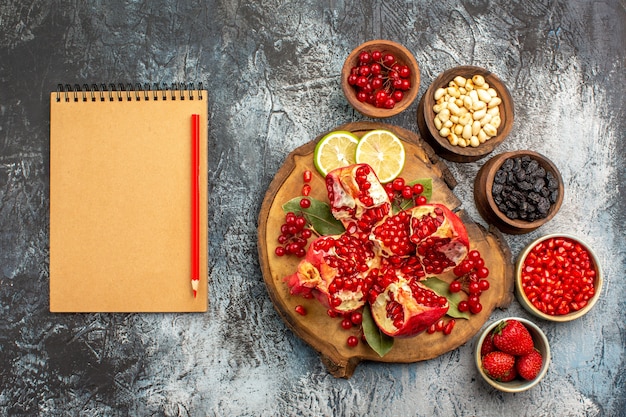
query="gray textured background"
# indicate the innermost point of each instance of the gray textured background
(272, 70)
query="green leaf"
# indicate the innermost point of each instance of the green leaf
(376, 339)
(442, 289)
(407, 204)
(318, 215)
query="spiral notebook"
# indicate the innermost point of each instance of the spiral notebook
(122, 198)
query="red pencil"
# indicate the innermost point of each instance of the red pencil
(195, 203)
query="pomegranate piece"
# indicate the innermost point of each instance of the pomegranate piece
(337, 271)
(401, 305)
(391, 237)
(357, 198)
(440, 237)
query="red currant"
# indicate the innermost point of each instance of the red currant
(305, 203)
(352, 341)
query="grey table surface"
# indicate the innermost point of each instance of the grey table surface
(272, 70)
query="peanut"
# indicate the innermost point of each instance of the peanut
(467, 111)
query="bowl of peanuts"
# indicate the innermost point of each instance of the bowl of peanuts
(465, 113)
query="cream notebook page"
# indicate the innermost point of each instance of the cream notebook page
(120, 202)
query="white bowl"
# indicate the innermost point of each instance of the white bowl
(518, 384)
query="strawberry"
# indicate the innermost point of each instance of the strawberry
(511, 336)
(528, 366)
(487, 346)
(499, 365)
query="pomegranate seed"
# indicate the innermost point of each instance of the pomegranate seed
(306, 190)
(558, 276)
(448, 329)
(300, 310)
(307, 175)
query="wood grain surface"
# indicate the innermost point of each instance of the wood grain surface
(324, 334)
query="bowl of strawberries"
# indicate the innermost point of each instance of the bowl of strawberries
(512, 354)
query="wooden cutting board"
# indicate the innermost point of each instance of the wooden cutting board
(325, 334)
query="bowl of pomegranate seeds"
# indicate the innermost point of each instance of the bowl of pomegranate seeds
(518, 191)
(380, 78)
(512, 354)
(558, 278)
(465, 113)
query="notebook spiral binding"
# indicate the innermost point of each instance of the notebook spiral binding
(128, 92)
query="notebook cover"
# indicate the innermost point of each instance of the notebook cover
(120, 205)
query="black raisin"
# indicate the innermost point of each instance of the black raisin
(500, 177)
(507, 165)
(539, 184)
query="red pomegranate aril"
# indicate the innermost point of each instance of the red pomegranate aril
(300, 310)
(449, 326)
(307, 175)
(306, 190)
(558, 276)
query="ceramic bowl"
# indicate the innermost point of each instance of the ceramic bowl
(488, 205)
(521, 275)
(517, 385)
(403, 57)
(442, 145)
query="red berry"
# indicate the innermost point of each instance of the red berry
(511, 336)
(528, 366)
(498, 365)
(407, 192)
(455, 286)
(421, 200)
(476, 308)
(305, 203)
(418, 189)
(352, 341)
(346, 323)
(356, 318)
(279, 251)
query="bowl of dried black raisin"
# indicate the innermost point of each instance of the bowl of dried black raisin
(518, 191)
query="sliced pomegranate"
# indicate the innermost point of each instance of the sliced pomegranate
(337, 271)
(440, 236)
(402, 306)
(357, 198)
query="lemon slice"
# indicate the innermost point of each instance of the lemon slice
(383, 151)
(336, 149)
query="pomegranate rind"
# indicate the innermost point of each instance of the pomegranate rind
(416, 317)
(452, 231)
(315, 275)
(345, 196)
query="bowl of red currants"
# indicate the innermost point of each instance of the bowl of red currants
(518, 191)
(465, 113)
(558, 278)
(380, 78)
